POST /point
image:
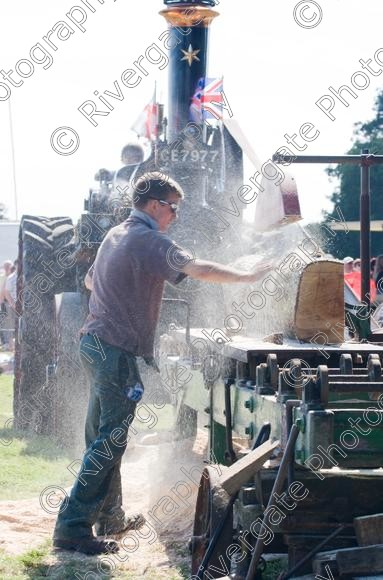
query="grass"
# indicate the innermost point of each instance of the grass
(32, 462)
(29, 465)
(273, 569)
(6, 397)
(28, 565)
(29, 462)
(37, 564)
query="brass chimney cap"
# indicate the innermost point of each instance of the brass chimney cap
(190, 2)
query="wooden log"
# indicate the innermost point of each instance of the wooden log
(277, 205)
(244, 469)
(369, 530)
(325, 561)
(380, 577)
(356, 561)
(320, 301)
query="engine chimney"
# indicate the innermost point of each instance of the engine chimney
(189, 24)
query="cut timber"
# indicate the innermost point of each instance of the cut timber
(324, 562)
(277, 204)
(369, 530)
(365, 560)
(244, 469)
(320, 302)
(380, 577)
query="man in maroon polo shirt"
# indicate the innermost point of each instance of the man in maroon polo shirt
(127, 280)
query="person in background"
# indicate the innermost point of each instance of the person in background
(4, 306)
(372, 267)
(10, 293)
(132, 157)
(7, 269)
(10, 287)
(356, 265)
(378, 278)
(348, 264)
(353, 278)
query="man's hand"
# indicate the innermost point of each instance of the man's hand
(135, 393)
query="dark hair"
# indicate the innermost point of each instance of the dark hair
(154, 185)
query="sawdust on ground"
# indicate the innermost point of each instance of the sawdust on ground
(154, 474)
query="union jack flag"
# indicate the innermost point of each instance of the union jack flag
(206, 100)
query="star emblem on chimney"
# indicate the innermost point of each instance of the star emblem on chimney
(190, 55)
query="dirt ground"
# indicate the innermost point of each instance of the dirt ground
(159, 480)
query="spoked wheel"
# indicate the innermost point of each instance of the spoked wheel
(212, 507)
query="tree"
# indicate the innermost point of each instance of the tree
(368, 135)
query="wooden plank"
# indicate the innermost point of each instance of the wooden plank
(379, 577)
(325, 561)
(320, 301)
(277, 205)
(369, 530)
(356, 561)
(244, 469)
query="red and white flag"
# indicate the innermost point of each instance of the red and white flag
(146, 124)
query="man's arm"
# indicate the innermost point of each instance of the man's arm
(213, 272)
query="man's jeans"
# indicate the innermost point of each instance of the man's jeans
(96, 495)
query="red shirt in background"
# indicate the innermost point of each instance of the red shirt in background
(354, 280)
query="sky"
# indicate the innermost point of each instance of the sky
(278, 60)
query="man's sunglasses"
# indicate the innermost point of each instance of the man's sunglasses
(173, 206)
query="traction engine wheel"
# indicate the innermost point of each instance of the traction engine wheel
(40, 275)
(71, 391)
(212, 501)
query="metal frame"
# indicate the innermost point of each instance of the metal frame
(366, 160)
